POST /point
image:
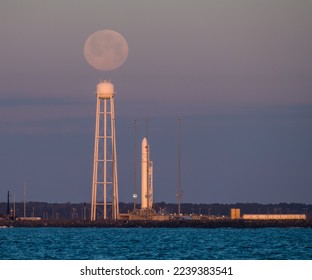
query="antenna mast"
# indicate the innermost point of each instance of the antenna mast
(179, 166)
(24, 199)
(135, 170)
(8, 204)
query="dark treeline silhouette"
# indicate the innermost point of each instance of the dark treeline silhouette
(81, 211)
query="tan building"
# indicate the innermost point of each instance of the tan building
(235, 213)
(274, 217)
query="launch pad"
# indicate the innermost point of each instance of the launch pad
(143, 215)
(146, 212)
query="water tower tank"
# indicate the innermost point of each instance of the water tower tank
(105, 89)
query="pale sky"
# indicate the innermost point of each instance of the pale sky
(239, 73)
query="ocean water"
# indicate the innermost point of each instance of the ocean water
(158, 243)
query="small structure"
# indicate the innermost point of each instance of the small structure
(28, 219)
(235, 213)
(139, 216)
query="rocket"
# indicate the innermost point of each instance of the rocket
(146, 177)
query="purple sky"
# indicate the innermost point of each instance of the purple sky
(239, 73)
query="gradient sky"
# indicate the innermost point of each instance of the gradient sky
(239, 73)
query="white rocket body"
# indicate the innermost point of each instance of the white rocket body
(146, 177)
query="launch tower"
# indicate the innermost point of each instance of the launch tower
(104, 203)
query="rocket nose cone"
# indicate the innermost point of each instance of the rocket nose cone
(144, 141)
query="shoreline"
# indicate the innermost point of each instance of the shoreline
(226, 223)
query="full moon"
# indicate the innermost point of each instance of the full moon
(106, 50)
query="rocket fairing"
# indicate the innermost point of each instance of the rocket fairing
(146, 177)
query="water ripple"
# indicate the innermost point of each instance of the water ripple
(159, 243)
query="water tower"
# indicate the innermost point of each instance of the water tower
(104, 202)
(105, 50)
